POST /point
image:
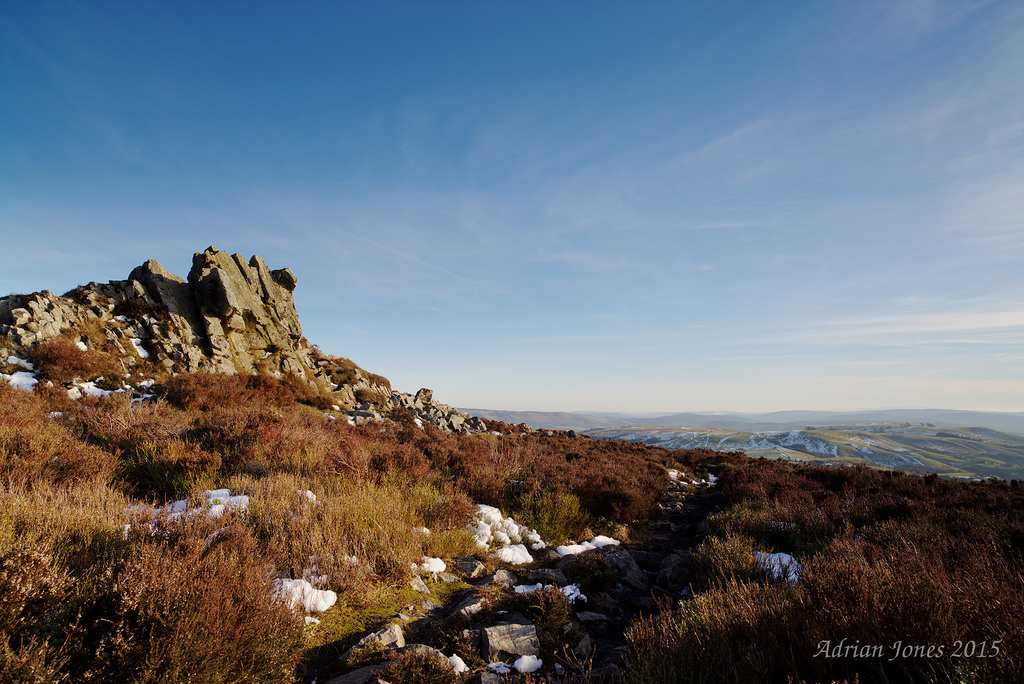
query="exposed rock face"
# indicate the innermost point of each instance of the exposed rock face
(229, 316)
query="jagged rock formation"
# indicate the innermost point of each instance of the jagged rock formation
(229, 316)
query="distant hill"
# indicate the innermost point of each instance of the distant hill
(782, 420)
(964, 453)
(777, 420)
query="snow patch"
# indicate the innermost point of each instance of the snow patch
(15, 361)
(457, 663)
(595, 543)
(515, 554)
(300, 592)
(433, 565)
(137, 343)
(528, 663)
(22, 380)
(491, 528)
(779, 565)
(571, 592)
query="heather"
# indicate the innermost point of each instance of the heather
(103, 576)
(159, 539)
(891, 564)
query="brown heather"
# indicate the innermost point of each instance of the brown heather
(83, 600)
(888, 558)
(60, 360)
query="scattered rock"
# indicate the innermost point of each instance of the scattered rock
(484, 678)
(470, 607)
(469, 567)
(627, 569)
(545, 576)
(361, 676)
(501, 642)
(503, 577)
(674, 575)
(418, 649)
(390, 637)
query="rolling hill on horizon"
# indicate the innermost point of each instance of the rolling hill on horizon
(963, 453)
(956, 444)
(1011, 422)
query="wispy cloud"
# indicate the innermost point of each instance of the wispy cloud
(955, 327)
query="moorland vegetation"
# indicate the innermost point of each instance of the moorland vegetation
(102, 579)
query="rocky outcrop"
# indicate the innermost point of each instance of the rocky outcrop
(231, 315)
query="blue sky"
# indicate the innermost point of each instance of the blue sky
(607, 206)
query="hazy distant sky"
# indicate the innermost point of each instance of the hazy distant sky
(632, 206)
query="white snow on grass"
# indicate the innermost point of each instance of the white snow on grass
(595, 543)
(527, 664)
(219, 500)
(514, 555)
(712, 480)
(457, 663)
(506, 538)
(137, 343)
(432, 565)
(779, 565)
(571, 591)
(15, 361)
(499, 668)
(90, 389)
(22, 380)
(300, 592)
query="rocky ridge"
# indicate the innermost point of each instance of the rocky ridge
(229, 316)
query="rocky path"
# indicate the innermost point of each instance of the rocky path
(621, 583)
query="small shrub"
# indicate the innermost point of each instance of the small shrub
(589, 571)
(378, 380)
(33, 447)
(717, 561)
(205, 391)
(548, 608)
(420, 668)
(61, 361)
(198, 607)
(557, 516)
(165, 469)
(371, 397)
